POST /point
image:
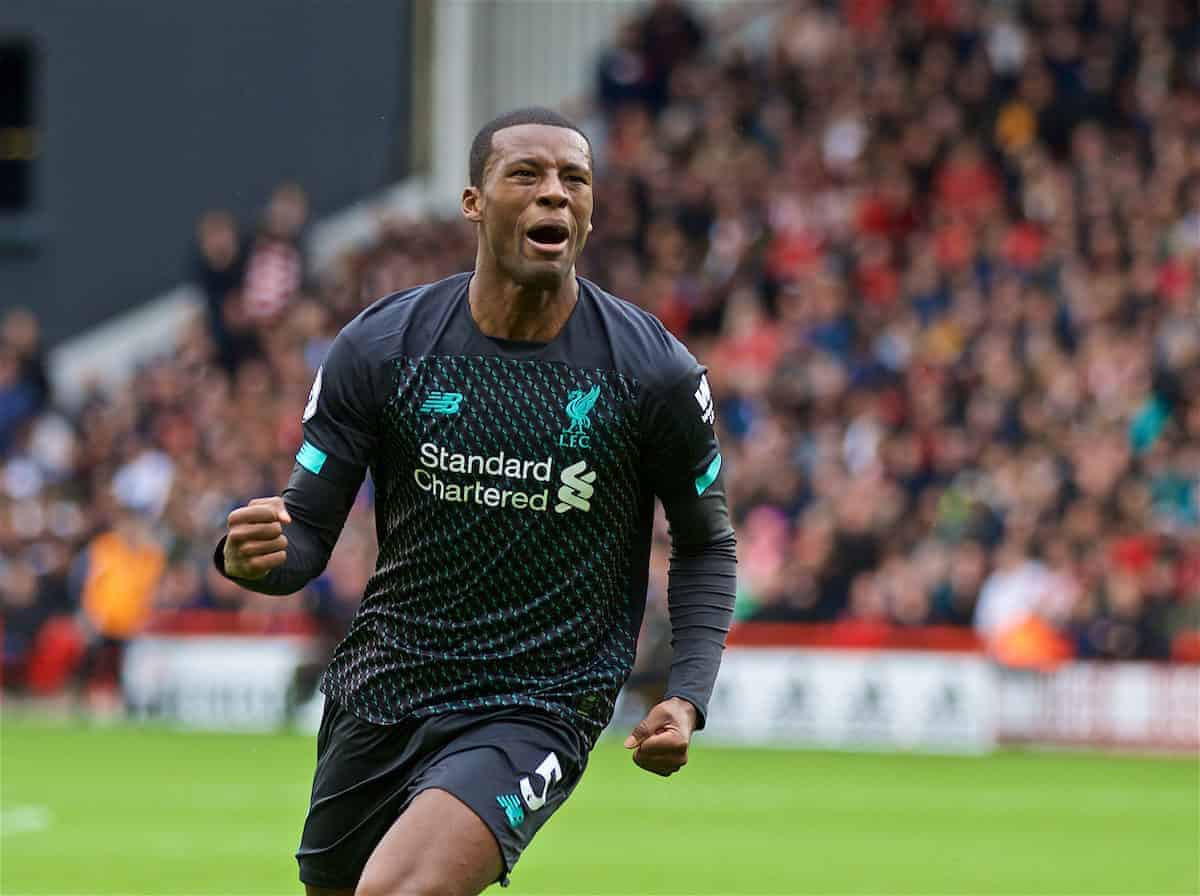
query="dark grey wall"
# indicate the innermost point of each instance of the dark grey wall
(152, 112)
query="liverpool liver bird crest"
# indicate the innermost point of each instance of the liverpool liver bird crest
(579, 405)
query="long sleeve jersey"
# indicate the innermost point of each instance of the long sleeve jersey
(514, 505)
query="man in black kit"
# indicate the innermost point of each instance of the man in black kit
(518, 423)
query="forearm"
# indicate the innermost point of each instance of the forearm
(701, 588)
(306, 559)
(318, 508)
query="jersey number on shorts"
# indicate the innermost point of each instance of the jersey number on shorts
(549, 771)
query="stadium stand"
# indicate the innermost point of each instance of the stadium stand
(942, 258)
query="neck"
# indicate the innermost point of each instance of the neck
(504, 309)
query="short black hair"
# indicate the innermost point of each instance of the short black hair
(481, 146)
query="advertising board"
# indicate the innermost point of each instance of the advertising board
(853, 698)
(230, 683)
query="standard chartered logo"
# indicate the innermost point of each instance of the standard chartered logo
(576, 489)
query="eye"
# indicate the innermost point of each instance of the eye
(523, 172)
(577, 178)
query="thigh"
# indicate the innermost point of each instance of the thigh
(511, 773)
(360, 784)
(437, 845)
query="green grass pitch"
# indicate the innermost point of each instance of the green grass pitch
(147, 811)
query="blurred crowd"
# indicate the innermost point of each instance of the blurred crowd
(942, 258)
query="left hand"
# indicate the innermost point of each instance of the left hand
(660, 740)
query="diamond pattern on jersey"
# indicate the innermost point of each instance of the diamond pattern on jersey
(473, 606)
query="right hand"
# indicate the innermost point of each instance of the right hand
(255, 543)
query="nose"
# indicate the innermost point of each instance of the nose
(553, 194)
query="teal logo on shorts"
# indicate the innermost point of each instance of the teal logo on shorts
(442, 403)
(511, 804)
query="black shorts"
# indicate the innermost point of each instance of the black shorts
(513, 767)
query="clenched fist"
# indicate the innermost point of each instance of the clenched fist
(660, 741)
(256, 544)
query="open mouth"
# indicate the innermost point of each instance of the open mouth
(548, 236)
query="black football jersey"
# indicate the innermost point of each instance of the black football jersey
(514, 499)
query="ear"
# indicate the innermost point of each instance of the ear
(472, 204)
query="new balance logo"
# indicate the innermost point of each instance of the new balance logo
(442, 403)
(511, 804)
(703, 396)
(576, 490)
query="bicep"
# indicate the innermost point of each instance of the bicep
(684, 460)
(340, 419)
